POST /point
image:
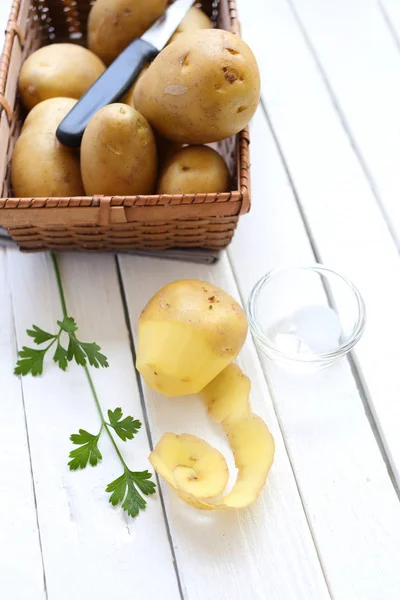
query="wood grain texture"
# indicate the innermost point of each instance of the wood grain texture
(21, 570)
(90, 550)
(340, 486)
(391, 13)
(265, 551)
(348, 496)
(360, 58)
(341, 211)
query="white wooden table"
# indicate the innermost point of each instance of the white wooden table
(326, 186)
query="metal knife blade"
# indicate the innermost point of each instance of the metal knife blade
(159, 33)
(120, 75)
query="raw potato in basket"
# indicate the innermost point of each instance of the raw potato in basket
(202, 88)
(194, 20)
(118, 153)
(194, 170)
(55, 172)
(184, 332)
(58, 70)
(128, 98)
(113, 24)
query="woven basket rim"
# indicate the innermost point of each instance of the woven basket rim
(240, 196)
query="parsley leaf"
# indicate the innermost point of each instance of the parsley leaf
(61, 357)
(68, 325)
(39, 336)
(124, 428)
(123, 491)
(30, 361)
(88, 452)
(129, 489)
(95, 357)
(75, 351)
(141, 479)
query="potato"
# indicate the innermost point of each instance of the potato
(41, 166)
(196, 471)
(199, 468)
(227, 400)
(202, 88)
(165, 149)
(253, 448)
(188, 333)
(58, 70)
(113, 24)
(118, 153)
(194, 169)
(128, 98)
(195, 19)
(232, 390)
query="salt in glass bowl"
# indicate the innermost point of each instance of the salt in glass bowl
(306, 317)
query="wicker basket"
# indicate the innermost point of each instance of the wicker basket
(107, 223)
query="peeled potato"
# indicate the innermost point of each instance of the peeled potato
(58, 70)
(203, 479)
(188, 333)
(194, 169)
(194, 20)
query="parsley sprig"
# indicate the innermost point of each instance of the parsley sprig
(31, 359)
(128, 489)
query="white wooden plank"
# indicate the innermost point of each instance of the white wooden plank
(350, 501)
(21, 569)
(391, 12)
(90, 550)
(361, 60)
(265, 551)
(344, 217)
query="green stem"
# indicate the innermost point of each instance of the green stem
(50, 345)
(89, 377)
(59, 284)
(103, 422)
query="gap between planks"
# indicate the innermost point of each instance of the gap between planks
(146, 418)
(391, 21)
(273, 235)
(33, 479)
(360, 382)
(345, 124)
(81, 533)
(287, 448)
(342, 212)
(309, 28)
(260, 557)
(21, 567)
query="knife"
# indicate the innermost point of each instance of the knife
(121, 74)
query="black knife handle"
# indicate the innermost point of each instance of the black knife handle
(108, 88)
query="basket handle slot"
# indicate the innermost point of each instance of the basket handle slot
(13, 27)
(4, 104)
(110, 214)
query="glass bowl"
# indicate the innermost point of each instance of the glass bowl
(306, 317)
